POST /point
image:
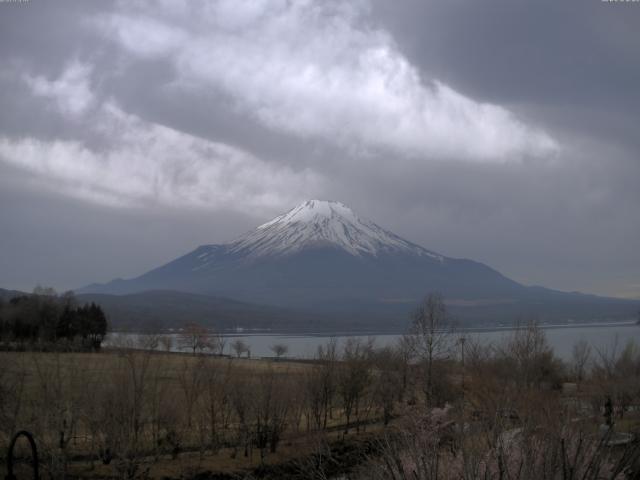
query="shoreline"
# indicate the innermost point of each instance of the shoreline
(376, 333)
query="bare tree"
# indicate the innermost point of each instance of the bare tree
(580, 357)
(328, 359)
(313, 398)
(239, 347)
(557, 449)
(532, 359)
(60, 393)
(195, 337)
(166, 342)
(216, 399)
(242, 401)
(431, 329)
(120, 413)
(605, 361)
(617, 374)
(159, 402)
(404, 353)
(12, 397)
(271, 406)
(279, 349)
(387, 380)
(148, 341)
(191, 378)
(354, 376)
(217, 343)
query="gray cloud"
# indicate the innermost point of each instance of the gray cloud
(145, 161)
(501, 131)
(56, 240)
(356, 90)
(572, 60)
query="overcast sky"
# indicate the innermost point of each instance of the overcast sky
(503, 131)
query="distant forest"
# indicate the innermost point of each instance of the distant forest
(46, 320)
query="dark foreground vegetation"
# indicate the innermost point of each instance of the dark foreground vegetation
(45, 320)
(436, 406)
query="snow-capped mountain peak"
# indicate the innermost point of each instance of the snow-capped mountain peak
(321, 223)
(313, 211)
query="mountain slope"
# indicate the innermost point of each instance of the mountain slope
(321, 256)
(318, 251)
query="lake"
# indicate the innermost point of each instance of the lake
(602, 337)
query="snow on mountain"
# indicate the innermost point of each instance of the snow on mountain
(319, 223)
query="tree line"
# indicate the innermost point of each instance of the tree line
(45, 318)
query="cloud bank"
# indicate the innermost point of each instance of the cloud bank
(320, 70)
(136, 162)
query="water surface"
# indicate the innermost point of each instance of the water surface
(602, 337)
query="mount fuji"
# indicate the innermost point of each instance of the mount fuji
(322, 257)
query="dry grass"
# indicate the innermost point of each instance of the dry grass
(81, 387)
(97, 362)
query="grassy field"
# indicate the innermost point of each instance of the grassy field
(102, 414)
(146, 414)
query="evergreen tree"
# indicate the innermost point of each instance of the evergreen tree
(45, 316)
